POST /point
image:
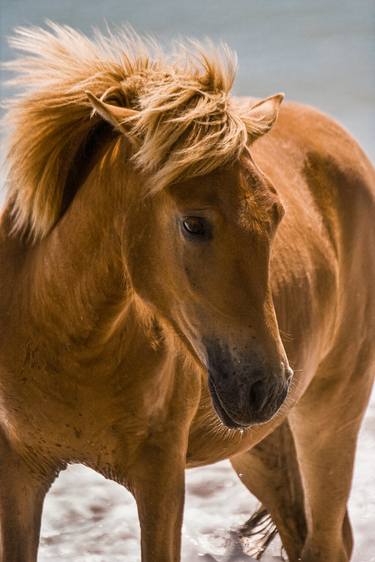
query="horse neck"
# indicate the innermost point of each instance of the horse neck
(76, 286)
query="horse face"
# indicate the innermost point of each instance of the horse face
(202, 261)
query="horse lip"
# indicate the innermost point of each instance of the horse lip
(221, 410)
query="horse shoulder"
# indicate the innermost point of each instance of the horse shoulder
(341, 181)
(328, 178)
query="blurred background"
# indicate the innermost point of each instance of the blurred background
(319, 52)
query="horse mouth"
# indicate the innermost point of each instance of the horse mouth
(220, 409)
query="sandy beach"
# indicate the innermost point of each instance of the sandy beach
(90, 519)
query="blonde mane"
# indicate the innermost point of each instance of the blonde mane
(186, 126)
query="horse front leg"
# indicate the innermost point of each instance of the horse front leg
(22, 492)
(158, 485)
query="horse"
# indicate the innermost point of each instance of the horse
(186, 276)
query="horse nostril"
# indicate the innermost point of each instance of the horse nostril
(258, 395)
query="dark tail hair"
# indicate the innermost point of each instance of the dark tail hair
(261, 529)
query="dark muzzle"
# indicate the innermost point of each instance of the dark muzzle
(245, 390)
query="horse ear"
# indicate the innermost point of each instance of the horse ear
(115, 115)
(261, 117)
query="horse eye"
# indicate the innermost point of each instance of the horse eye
(196, 226)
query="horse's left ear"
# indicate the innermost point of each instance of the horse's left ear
(113, 114)
(262, 116)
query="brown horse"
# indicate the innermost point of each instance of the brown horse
(143, 256)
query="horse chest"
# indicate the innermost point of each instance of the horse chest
(95, 418)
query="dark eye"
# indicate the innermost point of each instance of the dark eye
(196, 226)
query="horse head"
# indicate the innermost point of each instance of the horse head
(199, 256)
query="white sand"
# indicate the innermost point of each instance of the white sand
(90, 519)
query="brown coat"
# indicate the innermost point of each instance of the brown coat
(141, 335)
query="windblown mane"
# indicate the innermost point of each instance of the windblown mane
(186, 126)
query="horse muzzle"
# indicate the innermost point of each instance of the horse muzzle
(246, 392)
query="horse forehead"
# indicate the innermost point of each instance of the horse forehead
(224, 186)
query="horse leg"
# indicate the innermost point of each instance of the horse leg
(270, 471)
(158, 484)
(325, 425)
(22, 491)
